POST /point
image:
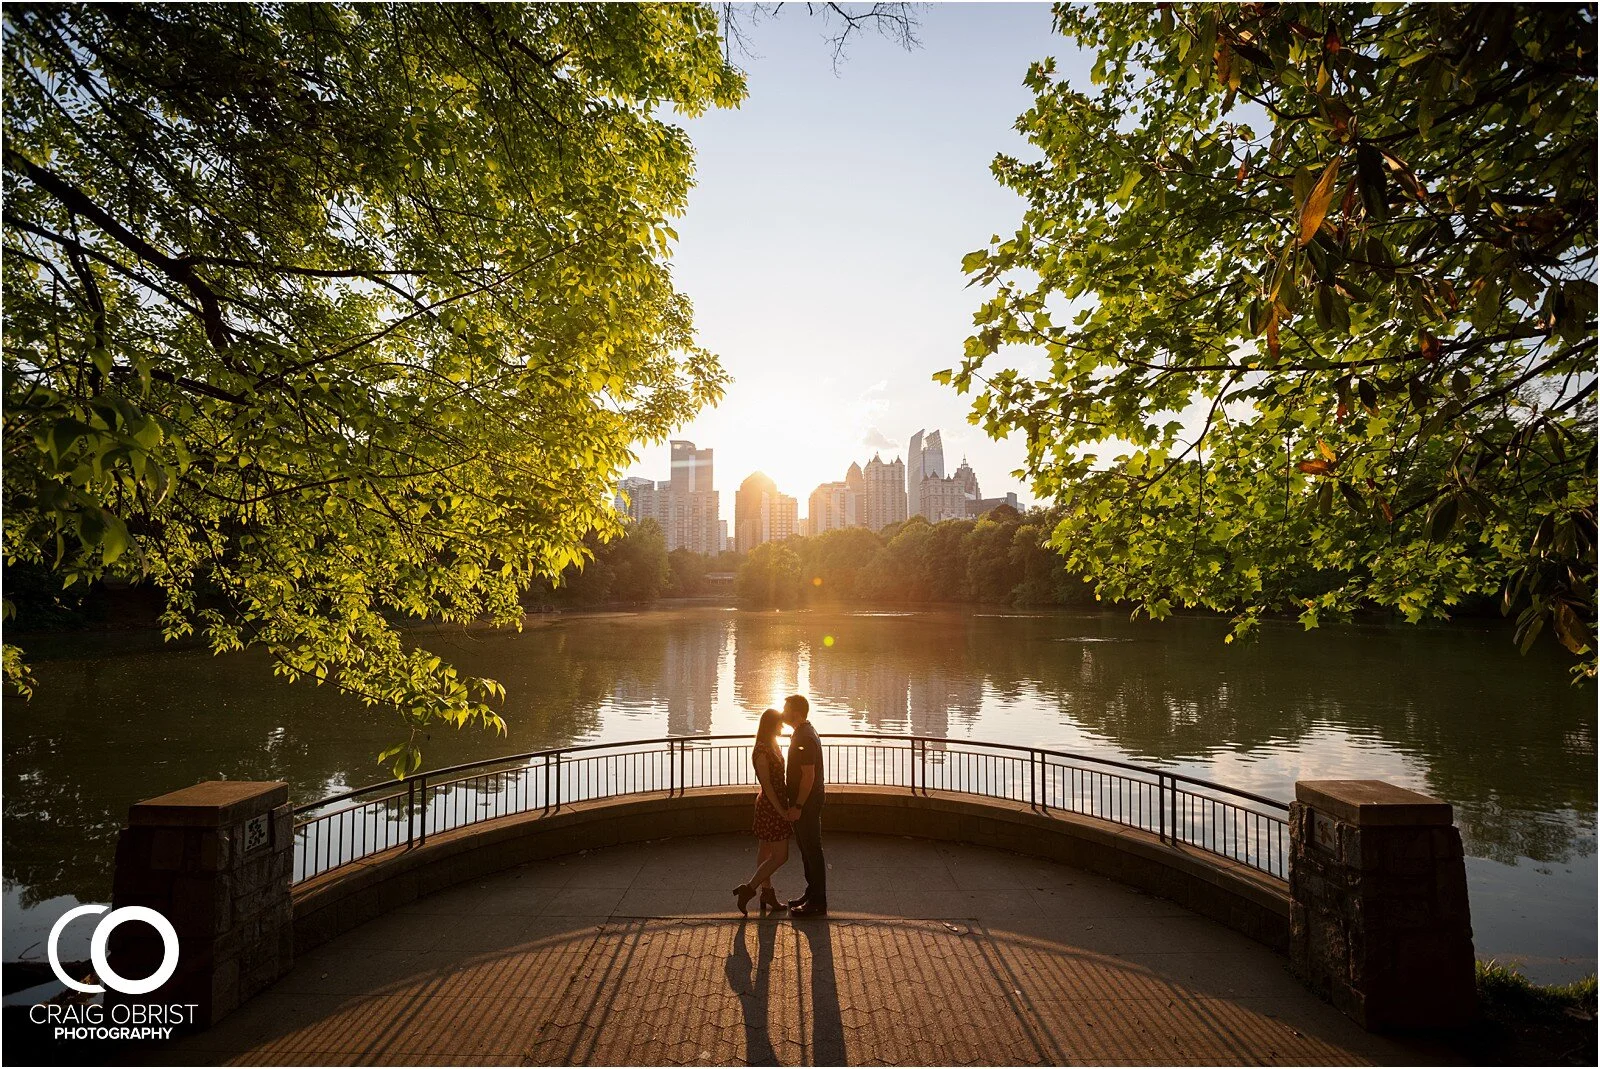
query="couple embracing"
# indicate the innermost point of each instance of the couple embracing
(790, 803)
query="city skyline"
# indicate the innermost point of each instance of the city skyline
(823, 241)
(875, 495)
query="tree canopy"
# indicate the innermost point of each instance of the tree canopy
(1312, 285)
(327, 317)
(1000, 558)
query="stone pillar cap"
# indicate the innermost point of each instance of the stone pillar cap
(212, 804)
(1371, 802)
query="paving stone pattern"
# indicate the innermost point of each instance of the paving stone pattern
(935, 954)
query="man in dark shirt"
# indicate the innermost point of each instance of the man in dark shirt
(805, 782)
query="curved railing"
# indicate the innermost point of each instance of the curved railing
(1226, 821)
(1230, 823)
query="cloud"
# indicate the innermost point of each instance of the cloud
(876, 439)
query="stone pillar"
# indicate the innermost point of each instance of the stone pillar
(1378, 920)
(215, 859)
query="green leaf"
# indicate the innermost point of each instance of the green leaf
(114, 539)
(1125, 190)
(1332, 312)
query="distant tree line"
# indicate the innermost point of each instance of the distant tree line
(998, 559)
(632, 569)
(1001, 559)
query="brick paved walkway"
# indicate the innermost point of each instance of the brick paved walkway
(935, 954)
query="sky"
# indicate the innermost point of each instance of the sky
(823, 241)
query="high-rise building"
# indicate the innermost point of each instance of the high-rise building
(967, 479)
(630, 492)
(884, 493)
(933, 455)
(949, 498)
(762, 514)
(872, 497)
(833, 506)
(914, 476)
(691, 468)
(924, 458)
(685, 506)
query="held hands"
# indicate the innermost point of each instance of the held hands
(793, 814)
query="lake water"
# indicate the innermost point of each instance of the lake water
(1454, 712)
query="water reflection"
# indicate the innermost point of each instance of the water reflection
(1453, 712)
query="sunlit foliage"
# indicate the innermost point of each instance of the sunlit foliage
(1314, 285)
(325, 318)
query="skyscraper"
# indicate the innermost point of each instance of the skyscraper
(691, 468)
(872, 497)
(833, 506)
(924, 458)
(685, 506)
(914, 476)
(884, 497)
(762, 514)
(933, 455)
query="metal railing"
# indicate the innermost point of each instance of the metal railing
(1179, 809)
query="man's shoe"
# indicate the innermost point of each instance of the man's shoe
(796, 903)
(808, 909)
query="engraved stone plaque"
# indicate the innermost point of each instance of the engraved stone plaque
(1322, 833)
(256, 832)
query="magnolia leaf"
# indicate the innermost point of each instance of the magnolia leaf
(1442, 518)
(1569, 627)
(1370, 178)
(1317, 201)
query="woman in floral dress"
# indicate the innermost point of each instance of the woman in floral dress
(772, 823)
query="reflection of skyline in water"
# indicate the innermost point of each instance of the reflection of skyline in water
(1455, 713)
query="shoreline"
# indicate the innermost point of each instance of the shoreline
(145, 636)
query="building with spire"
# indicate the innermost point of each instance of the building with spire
(883, 493)
(950, 498)
(872, 497)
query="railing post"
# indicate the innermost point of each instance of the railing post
(1173, 795)
(422, 808)
(1161, 804)
(557, 756)
(411, 812)
(672, 767)
(1033, 794)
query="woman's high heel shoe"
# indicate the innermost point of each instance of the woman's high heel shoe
(743, 894)
(769, 900)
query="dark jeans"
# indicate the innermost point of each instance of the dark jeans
(808, 835)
